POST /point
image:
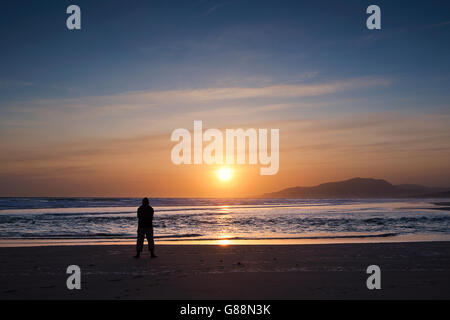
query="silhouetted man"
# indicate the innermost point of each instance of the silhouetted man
(145, 228)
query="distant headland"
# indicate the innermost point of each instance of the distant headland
(361, 188)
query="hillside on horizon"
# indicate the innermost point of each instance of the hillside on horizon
(359, 188)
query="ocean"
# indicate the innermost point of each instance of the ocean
(223, 221)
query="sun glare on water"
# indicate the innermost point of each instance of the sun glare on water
(224, 174)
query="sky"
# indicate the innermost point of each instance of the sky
(90, 112)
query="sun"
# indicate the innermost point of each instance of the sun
(224, 174)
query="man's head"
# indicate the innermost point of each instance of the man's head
(145, 202)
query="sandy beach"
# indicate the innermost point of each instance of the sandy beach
(332, 271)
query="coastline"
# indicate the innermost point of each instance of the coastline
(306, 240)
(410, 270)
(113, 221)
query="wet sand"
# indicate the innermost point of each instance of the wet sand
(332, 271)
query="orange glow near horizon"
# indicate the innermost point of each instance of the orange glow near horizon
(225, 174)
(126, 167)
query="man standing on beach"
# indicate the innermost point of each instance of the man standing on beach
(145, 228)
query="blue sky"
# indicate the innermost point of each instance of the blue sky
(348, 101)
(154, 45)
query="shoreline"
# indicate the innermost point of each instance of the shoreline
(409, 270)
(38, 242)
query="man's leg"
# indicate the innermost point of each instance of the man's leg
(140, 241)
(151, 242)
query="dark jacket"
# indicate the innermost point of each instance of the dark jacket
(145, 217)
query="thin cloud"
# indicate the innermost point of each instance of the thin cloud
(180, 97)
